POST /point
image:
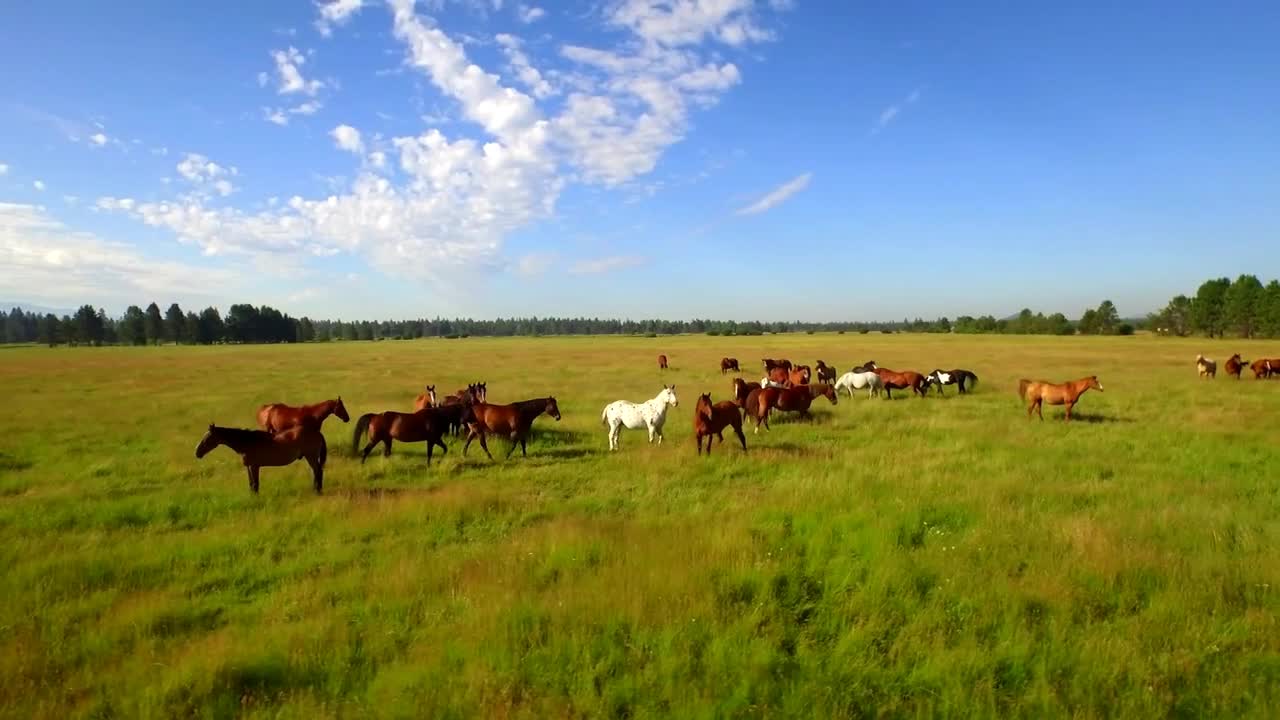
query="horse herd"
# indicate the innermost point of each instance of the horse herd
(287, 434)
(1261, 368)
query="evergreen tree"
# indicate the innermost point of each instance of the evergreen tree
(153, 325)
(132, 329)
(175, 322)
(49, 330)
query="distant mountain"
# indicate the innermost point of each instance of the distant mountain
(7, 305)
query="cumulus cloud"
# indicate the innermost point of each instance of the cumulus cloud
(38, 185)
(778, 195)
(336, 12)
(98, 139)
(44, 260)
(521, 67)
(529, 14)
(289, 77)
(4, 169)
(347, 138)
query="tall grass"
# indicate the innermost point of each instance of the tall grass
(941, 557)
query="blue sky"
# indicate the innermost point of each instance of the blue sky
(774, 159)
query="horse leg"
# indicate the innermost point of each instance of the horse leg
(368, 449)
(1068, 416)
(524, 439)
(253, 478)
(386, 450)
(317, 473)
(484, 445)
(514, 442)
(1040, 408)
(737, 430)
(697, 438)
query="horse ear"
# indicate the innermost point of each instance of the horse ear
(210, 427)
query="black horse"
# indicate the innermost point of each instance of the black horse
(950, 377)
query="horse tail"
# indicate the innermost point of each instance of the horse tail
(1022, 388)
(604, 415)
(973, 379)
(361, 426)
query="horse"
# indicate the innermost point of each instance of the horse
(950, 377)
(425, 425)
(651, 414)
(278, 416)
(472, 393)
(259, 448)
(710, 420)
(454, 406)
(851, 381)
(426, 399)
(868, 366)
(793, 399)
(826, 373)
(1234, 365)
(1206, 367)
(779, 375)
(901, 380)
(1038, 392)
(770, 363)
(741, 389)
(1264, 368)
(767, 382)
(727, 364)
(662, 362)
(513, 421)
(800, 375)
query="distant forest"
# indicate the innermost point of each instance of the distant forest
(1245, 308)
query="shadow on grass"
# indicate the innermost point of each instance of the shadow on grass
(9, 463)
(1092, 419)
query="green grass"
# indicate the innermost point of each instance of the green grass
(940, 557)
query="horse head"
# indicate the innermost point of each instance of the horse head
(208, 442)
(431, 395)
(553, 409)
(828, 392)
(668, 396)
(1094, 384)
(340, 410)
(482, 392)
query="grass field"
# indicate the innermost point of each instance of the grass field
(939, 557)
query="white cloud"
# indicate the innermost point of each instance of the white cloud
(604, 265)
(276, 116)
(520, 66)
(98, 139)
(200, 171)
(160, 151)
(378, 159)
(890, 113)
(529, 14)
(336, 12)
(263, 79)
(687, 22)
(38, 185)
(280, 116)
(45, 260)
(114, 203)
(223, 187)
(289, 73)
(4, 169)
(347, 138)
(310, 107)
(778, 196)
(535, 264)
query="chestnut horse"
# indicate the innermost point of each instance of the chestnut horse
(258, 449)
(1264, 368)
(426, 425)
(710, 420)
(770, 363)
(512, 421)
(278, 416)
(741, 389)
(1234, 365)
(794, 399)
(780, 375)
(1038, 392)
(800, 375)
(662, 362)
(727, 364)
(901, 380)
(426, 399)
(826, 373)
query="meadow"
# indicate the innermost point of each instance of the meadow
(942, 557)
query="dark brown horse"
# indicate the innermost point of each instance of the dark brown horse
(709, 421)
(826, 373)
(868, 366)
(794, 399)
(511, 421)
(770, 363)
(900, 380)
(258, 448)
(455, 406)
(727, 364)
(1038, 392)
(278, 416)
(662, 362)
(1234, 365)
(741, 389)
(426, 425)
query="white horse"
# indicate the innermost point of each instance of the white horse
(851, 381)
(767, 383)
(651, 415)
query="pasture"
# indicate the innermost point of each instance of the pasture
(939, 556)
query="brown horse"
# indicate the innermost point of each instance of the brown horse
(426, 399)
(1038, 392)
(741, 389)
(727, 364)
(278, 416)
(426, 425)
(1234, 365)
(1264, 368)
(770, 363)
(800, 375)
(258, 448)
(826, 373)
(709, 421)
(662, 362)
(794, 399)
(780, 375)
(512, 421)
(901, 380)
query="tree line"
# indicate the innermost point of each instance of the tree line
(1243, 307)
(246, 323)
